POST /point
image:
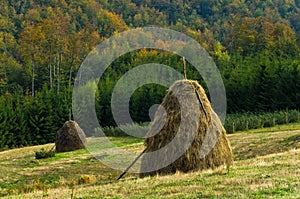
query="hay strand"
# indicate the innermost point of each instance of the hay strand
(210, 147)
(70, 137)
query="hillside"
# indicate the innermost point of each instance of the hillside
(266, 166)
(255, 45)
(57, 35)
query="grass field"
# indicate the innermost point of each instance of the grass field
(267, 165)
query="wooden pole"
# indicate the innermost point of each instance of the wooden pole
(134, 161)
(184, 68)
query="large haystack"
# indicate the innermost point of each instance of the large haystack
(70, 137)
(209, 148)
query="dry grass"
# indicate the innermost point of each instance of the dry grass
(70, 137)
(247, 179)
(255, 143)
(266, 166)
(186, 119)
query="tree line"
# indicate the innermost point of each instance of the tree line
(43, 43)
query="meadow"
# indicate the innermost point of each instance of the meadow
(266, 166)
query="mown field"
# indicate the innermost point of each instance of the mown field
(266, 166)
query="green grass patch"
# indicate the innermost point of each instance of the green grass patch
(293, 138)
(266, 166)
(125, 141)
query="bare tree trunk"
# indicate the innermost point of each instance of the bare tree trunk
(32, 80)
(58, 71)
(54, 67)
(70, 74)
(50, 73)
(50, 68)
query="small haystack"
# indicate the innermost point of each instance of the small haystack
(70, 137)
(209, 147)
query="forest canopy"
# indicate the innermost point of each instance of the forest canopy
(255, 45)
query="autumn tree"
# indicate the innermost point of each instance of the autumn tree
(31, 45)
(110, 23)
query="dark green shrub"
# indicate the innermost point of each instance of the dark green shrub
(245, 121)
(42, 154)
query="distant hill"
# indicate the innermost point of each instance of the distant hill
(255, 45)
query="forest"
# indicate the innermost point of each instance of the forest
(255, 45)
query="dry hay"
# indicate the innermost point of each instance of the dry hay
(70, 137)
(210, 136)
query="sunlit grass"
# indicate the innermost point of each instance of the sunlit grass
(266, 166)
